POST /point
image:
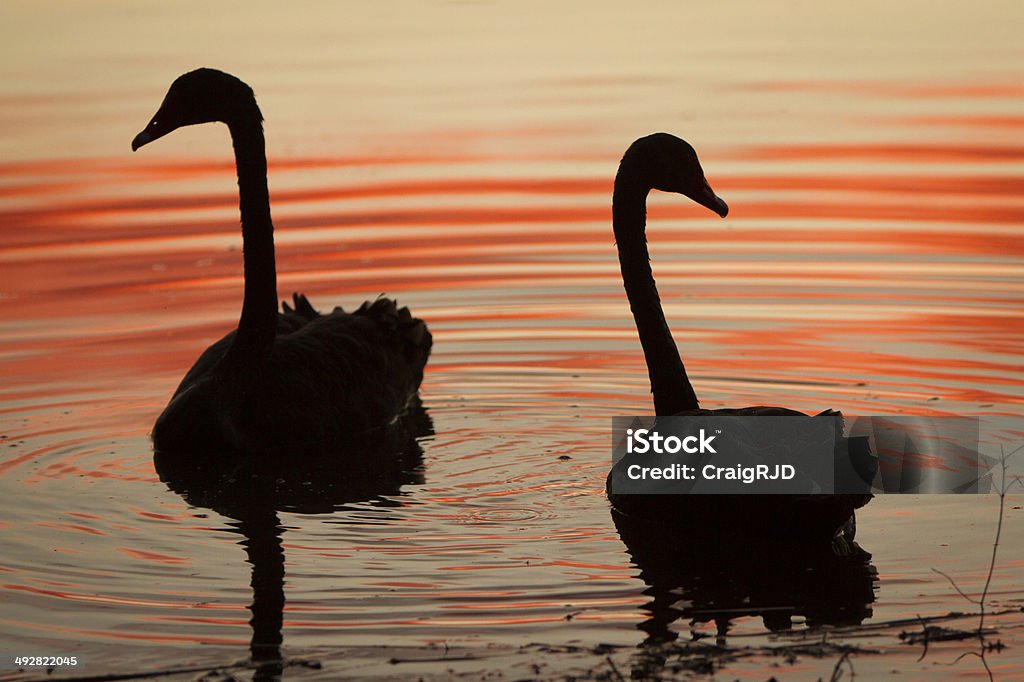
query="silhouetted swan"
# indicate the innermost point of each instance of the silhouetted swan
(667, 163)
(296, 380)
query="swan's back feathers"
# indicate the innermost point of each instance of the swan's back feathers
(295, 317)
(341, 373)
(328, 378)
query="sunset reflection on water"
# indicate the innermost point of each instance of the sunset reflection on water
(872, 262)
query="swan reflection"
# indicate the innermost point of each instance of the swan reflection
(704, 577)
(251, 490)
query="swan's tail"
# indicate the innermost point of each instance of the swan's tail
(412, 332)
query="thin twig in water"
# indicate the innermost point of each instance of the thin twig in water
(837, 672)
(615, 670)
(955, 586)
(1004, 487)
(924, 629)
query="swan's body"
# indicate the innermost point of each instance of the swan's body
(294, 380)
(665, 162)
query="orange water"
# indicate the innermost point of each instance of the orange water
(459, 157)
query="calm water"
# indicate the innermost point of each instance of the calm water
(459, 157)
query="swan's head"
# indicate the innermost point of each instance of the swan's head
(667, 163)
(201, 96)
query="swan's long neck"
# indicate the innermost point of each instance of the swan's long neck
(669, 383)
(258, 324)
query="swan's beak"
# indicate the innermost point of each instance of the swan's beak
(706, 197)
(720, 207)
(154, 131)
(160, 125)
(142, 138)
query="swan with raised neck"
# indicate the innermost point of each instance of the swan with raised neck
(294, 377)
(664, 162)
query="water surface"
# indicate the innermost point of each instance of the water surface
(459, 157)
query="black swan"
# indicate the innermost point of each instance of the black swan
(295, 381)
(667, 163)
